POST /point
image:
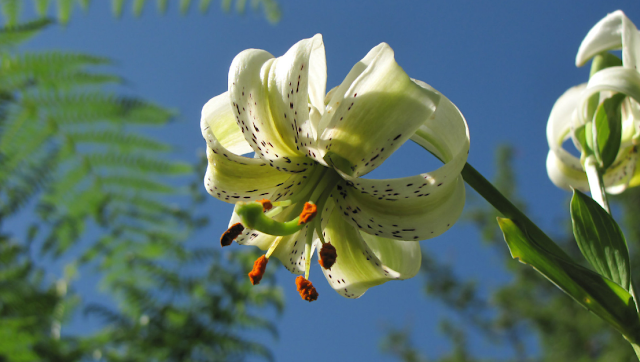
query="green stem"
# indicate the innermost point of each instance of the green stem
(474, 179)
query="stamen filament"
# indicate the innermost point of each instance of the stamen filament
(283, 203)
(273, 247)
(273, 212)
(307, 252)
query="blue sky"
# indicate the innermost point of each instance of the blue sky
(503, 63)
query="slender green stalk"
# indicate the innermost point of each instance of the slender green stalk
(474, 179)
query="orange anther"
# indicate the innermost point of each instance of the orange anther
(306, 289)
(266, 204)
(328, 256)
(231, 234)
(259, 266)
(308, 213)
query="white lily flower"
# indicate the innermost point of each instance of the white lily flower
(311, 149)
(613, 32)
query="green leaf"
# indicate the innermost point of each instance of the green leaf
(601, 296)
(600, 239)
(601, 61)
(583, 135)
(607, 129)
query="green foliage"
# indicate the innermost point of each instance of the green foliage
(608, 130)
(12, 9)
(600, 239)
(528, 307)
(95, 191)
(599, 295)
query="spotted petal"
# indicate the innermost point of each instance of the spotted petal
(374, 111)
(614, 31)
(417, 207)
(218, 118)
(297, 83)
(248, 79)
(231, 177)
(366, 261)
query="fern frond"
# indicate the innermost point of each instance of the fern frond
(12, 35)
(204, 6)
(116, 7)
(11, 10)
(65, 7)
(162, 6)
(124, 142)
(138, 6)
(37, 64)
(184, 6)
(41, 7)
(139, 163)
(136, 183)
(73, 108)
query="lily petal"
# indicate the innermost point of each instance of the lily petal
(563, 166)
(217, 117)
(358, 266)
(231, 177)
(372, 113)
(566, 175)
(617, 79)
(614, 31)
(248, 93)
(417, 207)
(296, 79)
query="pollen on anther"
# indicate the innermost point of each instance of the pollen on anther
(266, 204)
(231, 234)
(306, 289)
(328, 256)
(308, 213)
(259, 266)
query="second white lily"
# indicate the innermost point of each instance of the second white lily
(613, 32)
